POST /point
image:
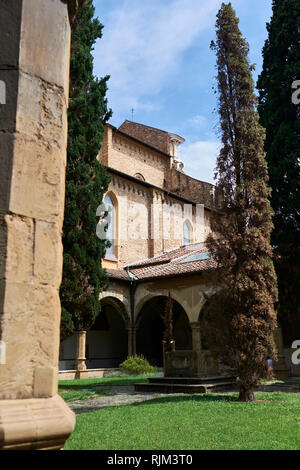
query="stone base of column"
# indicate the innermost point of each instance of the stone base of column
(36, 423)
(80, 364)
(82, 374)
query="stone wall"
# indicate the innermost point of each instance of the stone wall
(143, 214)
(154, 137)
(188, 292)
(130, 157)
(191, 188)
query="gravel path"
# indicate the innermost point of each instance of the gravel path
(122, 395)
(126, 395)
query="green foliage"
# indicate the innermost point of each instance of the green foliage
(135, 365)
(241, 318)
(86, 181)
(281, 119)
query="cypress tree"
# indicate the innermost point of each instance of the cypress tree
(281, 119)
(241, 318)
(86, 181)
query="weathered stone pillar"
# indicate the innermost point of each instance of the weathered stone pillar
(280, 368)
(196, 343)
(131, 341)
(34, 65)
(80, 352)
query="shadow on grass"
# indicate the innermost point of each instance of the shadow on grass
(93, 384)
(161, 401)
(201, 398)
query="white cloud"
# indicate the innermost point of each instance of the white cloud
(197, 120)
(200, 158)
(142, 44)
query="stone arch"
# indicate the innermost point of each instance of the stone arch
(107, 340)
(151, 295)
(150, 328)
(119, 302)
(207, 296)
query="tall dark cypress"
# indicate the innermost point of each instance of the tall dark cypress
(241, 319)
(86, 181)
(281, 119)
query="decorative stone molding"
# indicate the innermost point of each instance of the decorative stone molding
(33, 423)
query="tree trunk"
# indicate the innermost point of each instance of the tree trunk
(246, 394)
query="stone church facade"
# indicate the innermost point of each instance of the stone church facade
(159, 220)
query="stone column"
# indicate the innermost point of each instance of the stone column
(280, 368)
(80, 352)
(196, 343)
(131, 341)
(167, 348)
(34, 65)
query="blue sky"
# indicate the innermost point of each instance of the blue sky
(157, 54)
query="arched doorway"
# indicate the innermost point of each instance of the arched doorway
(106, 341)
(150, 329)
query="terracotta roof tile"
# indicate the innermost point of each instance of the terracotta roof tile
(189, 259)
(118, 273)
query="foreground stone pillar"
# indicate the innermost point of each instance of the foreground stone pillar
(280, 368)
(34, 65)
(196, 343)
(80, 352)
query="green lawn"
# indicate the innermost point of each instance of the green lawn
(193, 422)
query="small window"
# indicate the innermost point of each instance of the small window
(139, 176)
(186, 233)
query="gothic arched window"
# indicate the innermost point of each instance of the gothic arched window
(110, 233)
(139, 176)
(187, 233)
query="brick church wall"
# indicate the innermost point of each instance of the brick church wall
(123, 154)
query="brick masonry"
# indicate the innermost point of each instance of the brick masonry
(144, 211)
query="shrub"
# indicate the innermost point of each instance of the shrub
(136, 365)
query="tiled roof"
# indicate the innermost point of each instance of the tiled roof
(157, 138)
(118, 274)
(189, 259)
